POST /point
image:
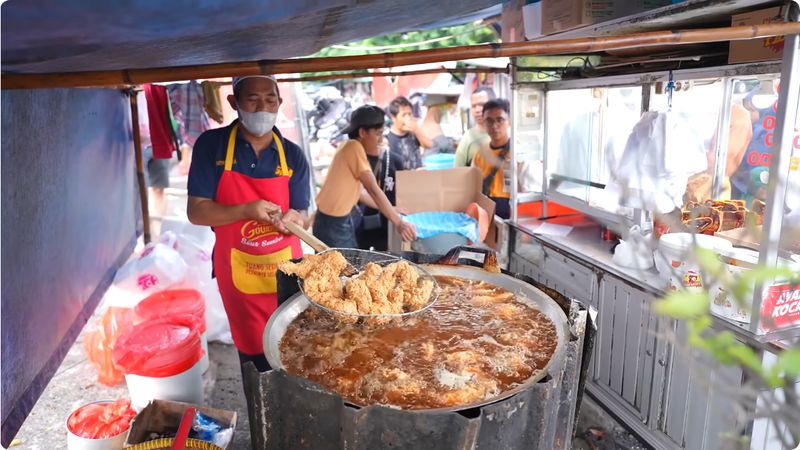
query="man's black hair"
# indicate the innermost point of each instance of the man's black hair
(497, 103)
(396, 104)
(354, 134)
(488, 90)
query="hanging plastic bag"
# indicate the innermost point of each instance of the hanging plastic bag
(157, 268)
(634, 252)
(661, 154)
(99, 342)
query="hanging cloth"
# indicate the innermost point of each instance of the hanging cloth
(212, 101)
(161, 134)
(186, 100)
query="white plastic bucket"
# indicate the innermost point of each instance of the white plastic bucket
(186, 387)
(676, 262)
(75, 442)
(204, 359)
(737, 262)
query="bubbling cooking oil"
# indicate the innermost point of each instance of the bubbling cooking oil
(475, 343)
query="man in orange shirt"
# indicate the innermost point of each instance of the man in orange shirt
(348, 172)
(494, 159)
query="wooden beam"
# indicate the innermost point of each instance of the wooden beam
(341, 76)
(383, 60)
(137, 149)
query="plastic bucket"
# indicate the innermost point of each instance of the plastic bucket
(174, 302)
(676, 262)
(75, 442)
(185, 387)
(440, 161)
(162, 360)
(737, 262)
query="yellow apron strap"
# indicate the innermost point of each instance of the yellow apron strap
(231, 145)
(284, 168)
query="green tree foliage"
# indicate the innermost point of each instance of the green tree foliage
(469, 34)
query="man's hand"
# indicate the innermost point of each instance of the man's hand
(292, 216)
(407, 231)
(262, 211)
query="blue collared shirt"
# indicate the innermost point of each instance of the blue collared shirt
(208, 163)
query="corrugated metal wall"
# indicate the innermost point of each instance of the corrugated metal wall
(69, 219)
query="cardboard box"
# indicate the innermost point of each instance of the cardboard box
(512, 28)
(753, 50)
(161, 416)
(438, 190)
(563, 15)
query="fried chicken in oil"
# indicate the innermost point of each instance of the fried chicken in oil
(393, 289)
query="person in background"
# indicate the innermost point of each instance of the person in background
(476, 136)
(348, 172)
(372, 227)
(156, 174)
(405, 136)
(493, 159)
(432, 127)
(245, 181)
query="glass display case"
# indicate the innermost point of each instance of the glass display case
(718, 148)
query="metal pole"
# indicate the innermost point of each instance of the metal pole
(514, 125)
(545, 150)
(781, 156)
(302, 127)
(137, 150)
(723, 132)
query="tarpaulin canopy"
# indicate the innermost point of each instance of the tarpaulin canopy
(41, 36)
(70, 211)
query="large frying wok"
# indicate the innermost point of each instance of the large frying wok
(533, 297)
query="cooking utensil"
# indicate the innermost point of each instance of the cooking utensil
(316, 244)
(306, 237)
(357, 260)
(448, 266)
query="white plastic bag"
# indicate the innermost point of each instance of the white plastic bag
(634, 252)
(197, 256)
(662, 152)
(157, 268)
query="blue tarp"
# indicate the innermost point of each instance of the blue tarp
(70, 215)
(42, 36)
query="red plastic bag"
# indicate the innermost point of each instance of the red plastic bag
(101, 420)
(99, 343)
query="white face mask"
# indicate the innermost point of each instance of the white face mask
(258, 123)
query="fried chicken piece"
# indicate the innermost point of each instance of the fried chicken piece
(470, 392)
(371, 272)
(406, 274)
(494, 298)
(507, 310)
(427, 350)
(357, 291)
(415, 299)
(386, 307)
(302, 268)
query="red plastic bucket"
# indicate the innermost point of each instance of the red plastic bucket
(159, 348)
(162, 360)
(172, 302)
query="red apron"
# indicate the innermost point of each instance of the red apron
(247, 252)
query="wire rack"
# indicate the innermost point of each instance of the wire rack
(359, 259)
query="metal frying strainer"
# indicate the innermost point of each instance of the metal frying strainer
(359, 259)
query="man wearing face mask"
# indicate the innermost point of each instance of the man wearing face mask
(245, 181)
